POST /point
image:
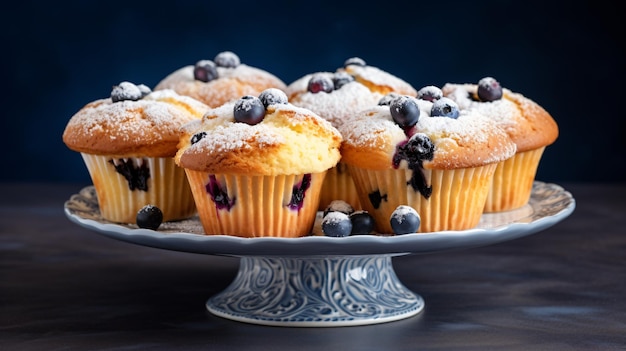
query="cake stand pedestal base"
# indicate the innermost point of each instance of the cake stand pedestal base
(316, 291)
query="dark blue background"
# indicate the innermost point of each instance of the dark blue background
(570, 58)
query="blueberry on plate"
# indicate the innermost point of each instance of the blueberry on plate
(249, 109)
(338, 206)
(405, 220)
(445, 107)
(489, 89)
(336, 224)
(362, 223)
(149, 217)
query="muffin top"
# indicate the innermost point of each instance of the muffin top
(134, 121)
(262, 135)
(375, 78)
(331, 98)
(348, 90)
(406, 132)
(220, 80)
(526, 123)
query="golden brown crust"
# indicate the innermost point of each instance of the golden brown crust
(379, 81)
(146, 127)
(526, 122)
(289, 140)
(232, 83)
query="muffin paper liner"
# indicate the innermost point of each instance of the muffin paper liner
(513, 181)
(457, 200)
(339, 185)
(167, 188)
(255, 206)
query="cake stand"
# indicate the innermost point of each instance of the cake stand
(319, 281)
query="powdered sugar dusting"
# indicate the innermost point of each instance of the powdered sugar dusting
(339, 104)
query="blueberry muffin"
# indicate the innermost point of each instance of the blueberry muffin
(337, 95)
(215, 82)
(128, 142)
(530, 127)
(256, 166)
(427, 155)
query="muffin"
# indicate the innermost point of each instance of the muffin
(427, 155)
(256, 166)
(530, 126)
(335, 96)
(128, 143)
(215, 82)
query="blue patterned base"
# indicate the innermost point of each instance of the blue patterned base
(316, 292)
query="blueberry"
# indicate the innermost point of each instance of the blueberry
(125, 91)
(341, 78)
(249, 109)
(404, 111)
(489, 89)
(149, 217)
(445, 107)
(354, 61)
(136, 175)
(417, 149)
(273, 96)
(197, 137)
(336, 224)
(299, 192)
(338, 206)
(320, 82)
(405, 220)
(387, 99)
(205, 71)
(227, 59)
(362, 223)
(144, 89)
(430, 93)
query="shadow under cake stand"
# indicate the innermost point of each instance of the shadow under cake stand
(320, 281)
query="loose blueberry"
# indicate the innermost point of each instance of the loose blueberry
(404, 111)
(249, 109)
(197, 137)
(336, 224)
(445, 107)
(430, 93)
(273, 96)
(319, 83)
(354, 61)
(405, 220)
(205, 71)
(489, 89)
(338, 206)
(227, 59)
(387, 99)
(362, 223)
(125, 91)
(149, 217)
(341, 78)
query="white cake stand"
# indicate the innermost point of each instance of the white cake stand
(320, 281)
